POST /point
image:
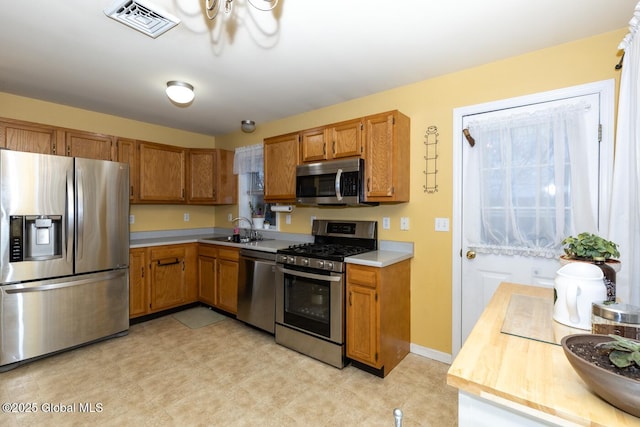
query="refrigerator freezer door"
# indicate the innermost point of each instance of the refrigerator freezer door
(102, 215)
(43, 317)
(34, 185)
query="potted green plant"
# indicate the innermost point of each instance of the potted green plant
(257, 216)
(589, 246)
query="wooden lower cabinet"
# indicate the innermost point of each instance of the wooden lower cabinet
(218, 276)
(378, 314)
(138, 286)
(162, 277)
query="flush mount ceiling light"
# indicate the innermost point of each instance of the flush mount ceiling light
(212, 7)
(248, 126)
(180, 92)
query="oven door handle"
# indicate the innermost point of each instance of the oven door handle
(338, 192)
(310, 275)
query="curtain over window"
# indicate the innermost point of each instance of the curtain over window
(248, 159)
(625, 202)
(529, 194)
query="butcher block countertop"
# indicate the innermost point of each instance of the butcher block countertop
(525, 374)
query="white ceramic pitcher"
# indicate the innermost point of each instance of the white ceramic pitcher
(577, 285)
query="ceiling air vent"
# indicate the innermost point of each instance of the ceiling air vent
(142, 16)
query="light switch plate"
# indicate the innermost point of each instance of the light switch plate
(386, 223)
(287, 219)
(186, 217)
(404, 223)
(442, 224)
(132, 219)
(229, 217)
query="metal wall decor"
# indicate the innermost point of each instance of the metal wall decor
(431, 159)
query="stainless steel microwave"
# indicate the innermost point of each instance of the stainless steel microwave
(331, 183)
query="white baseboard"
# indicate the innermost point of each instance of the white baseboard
(430, 353)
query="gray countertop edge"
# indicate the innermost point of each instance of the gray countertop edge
(390, 252)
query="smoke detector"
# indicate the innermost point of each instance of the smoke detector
(142, 16)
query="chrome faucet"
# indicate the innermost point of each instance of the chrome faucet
(253, 235)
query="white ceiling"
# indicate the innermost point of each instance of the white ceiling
(263, 66)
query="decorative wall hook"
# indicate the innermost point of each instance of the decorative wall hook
(431, 159)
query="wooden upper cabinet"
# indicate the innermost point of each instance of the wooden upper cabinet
(387, 157)
(281, 156)
(161, 173)
(89, 145)
(210, 177)
(126, 153)
(335, 141)
(19, 136)
(313, 144)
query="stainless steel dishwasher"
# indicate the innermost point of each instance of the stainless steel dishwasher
(257, 288)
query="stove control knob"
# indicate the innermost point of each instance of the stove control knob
(329, 266)
(305, 261)
(320, 264)
(291, 260)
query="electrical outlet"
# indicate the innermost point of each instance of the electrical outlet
(287, 219)
(404, 223)
(132, 219)
(386, 223)
(229, 217)
(442, 224)
(186, 217)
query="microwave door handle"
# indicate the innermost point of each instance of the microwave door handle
(338, 192)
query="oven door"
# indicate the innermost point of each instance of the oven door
(311, 301)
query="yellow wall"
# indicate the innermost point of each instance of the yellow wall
(427, 103)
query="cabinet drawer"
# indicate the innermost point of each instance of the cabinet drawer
(208, 250)
(165, 253)
(366, 276)
(231, 254)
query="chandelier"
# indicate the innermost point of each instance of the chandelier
(212, 7)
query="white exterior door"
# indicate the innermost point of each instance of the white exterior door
(503, 200)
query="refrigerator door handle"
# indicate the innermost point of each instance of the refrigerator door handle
(80, 214)
(69, 233)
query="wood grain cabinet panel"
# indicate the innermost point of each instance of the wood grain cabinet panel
(161, 171)
(126, 153)
(387, 168)
(210, 177)
(89, 145)
(281, 156)
(334, 141)
(138, 285)
(19, 136)
(168, 278)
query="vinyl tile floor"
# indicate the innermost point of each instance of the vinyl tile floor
(224, 374)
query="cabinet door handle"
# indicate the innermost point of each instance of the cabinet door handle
(324, 149)
(333, 148)
(350, 300)
(142, 272)
(163, 263)
(368, 184)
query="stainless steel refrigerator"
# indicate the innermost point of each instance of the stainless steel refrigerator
(64, 253)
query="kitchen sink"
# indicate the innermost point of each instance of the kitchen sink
(230, 239)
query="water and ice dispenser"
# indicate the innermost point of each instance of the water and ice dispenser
(35, 237)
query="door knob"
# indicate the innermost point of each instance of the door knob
(471, 254)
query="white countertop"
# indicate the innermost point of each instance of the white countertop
(389, 253)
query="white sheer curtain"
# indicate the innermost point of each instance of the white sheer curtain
(248, 159)
(526, 186)
(624, 223)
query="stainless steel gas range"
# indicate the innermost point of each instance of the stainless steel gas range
(310, 288)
